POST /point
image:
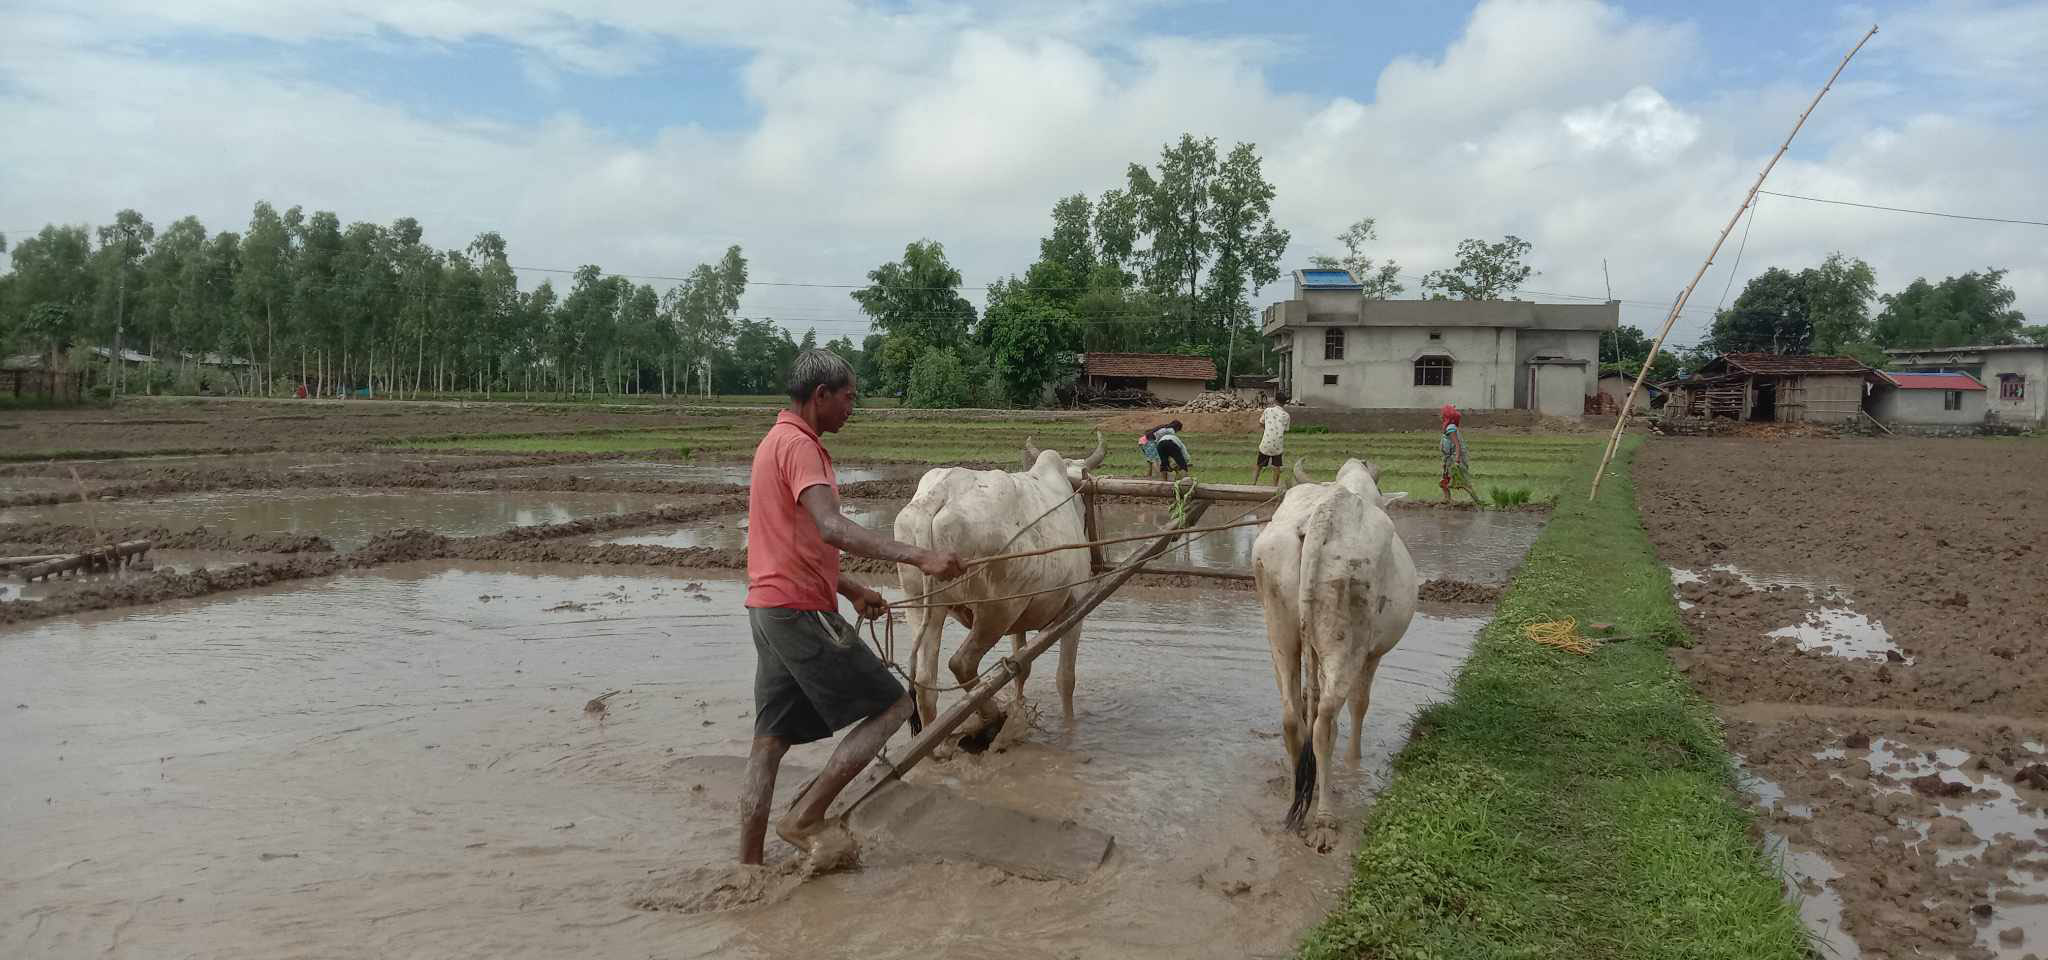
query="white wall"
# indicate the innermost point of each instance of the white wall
(1378, 369)
(2031, 364)
(1925, 406)
(1178, 391)
(1560, 389)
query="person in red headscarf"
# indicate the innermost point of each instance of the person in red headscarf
(1457, 469)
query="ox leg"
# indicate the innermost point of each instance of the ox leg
(1283, 635)
(966, 664)
(930, 629)
(1361, 699)
(1339, 681)
(1023, 669)
(1070, 650)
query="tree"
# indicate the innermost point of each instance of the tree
(1116, 232)
(1382, 281)
(1071, 245)
(1174, 213)
(1247, 244)
(938, 379)
(264, 285)
(1975, 308)
(916, 303)
(123, 244)
(1026, 337)
(1485, 271)
(1769, 316)
(1838, 295)
(810, 340)
(53, 274)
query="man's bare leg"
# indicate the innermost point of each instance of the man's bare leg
(758, 793)
(855, 751)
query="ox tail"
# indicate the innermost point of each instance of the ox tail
(927, 624)
(1320, 612)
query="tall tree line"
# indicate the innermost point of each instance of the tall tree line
(297, 298)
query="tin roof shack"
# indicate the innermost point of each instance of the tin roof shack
(1169, 376)
(1770, 387)
(1929, 399)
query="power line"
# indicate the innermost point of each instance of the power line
(1924, 213)
(1737, 265)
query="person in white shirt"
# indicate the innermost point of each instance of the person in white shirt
(1273, 440)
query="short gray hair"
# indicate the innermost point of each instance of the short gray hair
(816, 368)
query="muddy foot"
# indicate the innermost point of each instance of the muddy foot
(828, 843)
(977, 734)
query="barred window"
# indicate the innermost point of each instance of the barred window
(1433, 372)
(1333, 344)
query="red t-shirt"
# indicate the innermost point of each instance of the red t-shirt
(789, 564)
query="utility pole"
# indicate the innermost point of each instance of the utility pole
(120, 316)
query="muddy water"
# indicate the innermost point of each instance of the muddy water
(347, 519)
(1474, 545)
(733, 473)
(400, 763)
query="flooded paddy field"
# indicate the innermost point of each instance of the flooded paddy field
(400, 760)
(1877, 661)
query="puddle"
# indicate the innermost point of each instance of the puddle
(399, 760)
(1844, 633)
(346, 519)
(1807, 872)
(1480, 546)
(1832, 629)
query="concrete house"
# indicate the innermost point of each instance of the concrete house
(1616, 387)
(2015, 376)
(1168, 376)
(1929, 399)
(1338, 349)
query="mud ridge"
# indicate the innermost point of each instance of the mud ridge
(61, 536)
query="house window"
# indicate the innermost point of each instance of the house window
(1433, 372)
(1329, 379)
(1952, 400)
(1436, 334)
(2012, 386)
(1333, 344)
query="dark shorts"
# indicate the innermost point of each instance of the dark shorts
(813, 675)
(1171, 456)
(1269, 459)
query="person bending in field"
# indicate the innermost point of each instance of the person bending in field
(1457, 469)
(1150, 451)
(813, 676)
(1173, 451)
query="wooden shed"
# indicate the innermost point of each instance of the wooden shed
(1771, 387)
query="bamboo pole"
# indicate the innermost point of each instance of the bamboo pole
(922, 745)
(1621, 420)
(7, 562)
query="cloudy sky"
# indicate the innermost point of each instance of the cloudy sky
(646, 135)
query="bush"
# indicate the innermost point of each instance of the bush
(1505, 497)
(937, 380)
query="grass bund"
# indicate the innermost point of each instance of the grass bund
(1561, 805)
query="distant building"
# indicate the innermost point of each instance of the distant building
(2015, 376)
(1775, 387)
(1929, 399)
(1617, 385)
(1168, 376)
(1254, 387)
(1338, 349)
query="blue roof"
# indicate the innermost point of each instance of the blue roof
(1328, 278)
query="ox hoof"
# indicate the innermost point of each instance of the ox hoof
(980, 738)
(1324, 833)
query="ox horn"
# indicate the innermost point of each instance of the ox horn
(1030, 453)
(1301, 473)
(1101, 453)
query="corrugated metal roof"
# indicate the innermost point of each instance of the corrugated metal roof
(1932, 381)
(1779, 363)
(1165, 366)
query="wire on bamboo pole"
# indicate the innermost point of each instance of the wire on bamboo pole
(1621, 419)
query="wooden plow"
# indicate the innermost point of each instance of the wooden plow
(97, 558)
(1197, 496)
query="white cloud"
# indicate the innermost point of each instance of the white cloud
(1555, 120)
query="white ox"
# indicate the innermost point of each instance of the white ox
(1337, 583)
(982, 513)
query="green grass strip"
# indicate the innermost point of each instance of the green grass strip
(1567, 806)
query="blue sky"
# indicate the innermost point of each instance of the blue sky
(822, 135)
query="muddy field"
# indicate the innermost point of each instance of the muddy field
(1868, 622)
(341, 711)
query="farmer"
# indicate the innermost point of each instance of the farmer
(1276, 421)
(1173, 451)
(813, 676)
(1150, 451)
(1457, 469)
